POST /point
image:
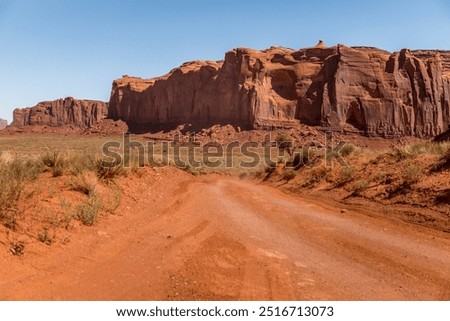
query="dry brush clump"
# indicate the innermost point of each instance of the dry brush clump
(387, 175)
(20, 179)
(85, 182)
(88, 211)
(54, 161)
(15, 174)
(411, 151)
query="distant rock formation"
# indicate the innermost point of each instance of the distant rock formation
(69, 111)
(3, 124)
(356, 89)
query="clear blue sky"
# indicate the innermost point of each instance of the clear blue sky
(57, 48)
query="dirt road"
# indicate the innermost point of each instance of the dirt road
(225, 239)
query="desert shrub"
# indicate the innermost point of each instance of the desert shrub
(87, 212)
(411, 174)
(105, 171)
(379, 177)
(413, 150)
(68, 212)
(360, 185)
(85, 182)
(289, 174)
(80, 163)
(108, 171)
(113, 201)
(347, 173)
(305, 156)
(52, 158)
(432, 148)
(15, 173)
(348, 149)
(315, 175)
(45, 237)
(397, 154)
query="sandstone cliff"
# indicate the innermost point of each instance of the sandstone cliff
(361, 89)
(68, 111)
(3, 124)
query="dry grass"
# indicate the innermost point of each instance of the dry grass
(85, 182)
(82, 172)
(411, 174)
(107, 171)
(87, 212)
(15, 174)
(390, 175)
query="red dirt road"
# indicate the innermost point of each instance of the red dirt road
(223, 239)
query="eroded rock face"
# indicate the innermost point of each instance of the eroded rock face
(3, 124)
(60, 112)
(361, 89)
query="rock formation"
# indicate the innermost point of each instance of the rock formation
(360, 89)
(3, 124)
(60, 112)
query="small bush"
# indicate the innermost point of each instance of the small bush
(347, 174)
(315, 176)
(51, 158)
(379, 177)
(411, 174)
(113, 201)
(85, 182)
(430, 148)
(413, 150)
(55, 161)
(87, 211)
(348, 149)
(15, 173)
(107, 171)
(80, 163)
(45, 237)
(360, 185)
(305, 156)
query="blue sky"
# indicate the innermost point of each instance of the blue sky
(57, 48)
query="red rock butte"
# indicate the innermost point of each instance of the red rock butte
(60, 112)
(361, 89)
(353, 89)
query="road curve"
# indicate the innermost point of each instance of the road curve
(228, 239)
